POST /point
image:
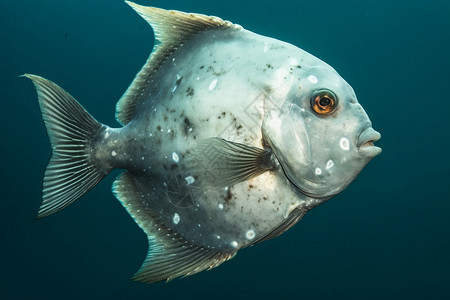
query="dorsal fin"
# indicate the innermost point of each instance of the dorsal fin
(172, 29)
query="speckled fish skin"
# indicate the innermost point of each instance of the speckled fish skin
(214, 99)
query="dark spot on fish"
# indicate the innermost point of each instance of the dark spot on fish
(165, 118)
(218, 73)
(209, 69)
(165, 167)
(298, 66)
(173, 110)
(187, 125)
(269, 66)
(179, 80)
(250, 186)
(173, 166)
(202, 67)
(228, 196)
(190, 91)
(158, 128)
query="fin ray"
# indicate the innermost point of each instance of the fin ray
(220, 163)
(172, 29)
(169, 255)
(290, 221)
(70, 128)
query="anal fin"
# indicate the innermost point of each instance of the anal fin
(169, 255)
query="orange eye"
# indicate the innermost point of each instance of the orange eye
(323, 102)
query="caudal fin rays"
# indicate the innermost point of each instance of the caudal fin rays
(70, 173)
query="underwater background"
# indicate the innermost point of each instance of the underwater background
(387, 236)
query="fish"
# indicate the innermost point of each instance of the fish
(227, 139)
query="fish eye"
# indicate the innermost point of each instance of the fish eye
(323, 101)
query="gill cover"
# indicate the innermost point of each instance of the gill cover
(285, 132)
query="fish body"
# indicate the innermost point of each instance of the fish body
(228, 139)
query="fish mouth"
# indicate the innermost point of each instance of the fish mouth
(365, 142)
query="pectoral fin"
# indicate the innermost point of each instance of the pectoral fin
(220, 163)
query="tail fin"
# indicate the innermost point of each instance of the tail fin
(70, 173)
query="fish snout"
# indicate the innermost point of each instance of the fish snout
(365, 142)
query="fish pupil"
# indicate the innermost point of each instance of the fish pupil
(325, 101)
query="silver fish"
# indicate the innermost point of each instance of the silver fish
(228, 139)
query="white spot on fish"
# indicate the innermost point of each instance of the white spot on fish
(212, 85)
(293, 62)
(189, 180)
(218, 237)
(313, 79)
(176, 218)
(198, 78)
(318, 171)
(234, 244)
(174, 88)
(106, 134)
(344, 144)
(250, 235)
(220, 206)
(175, 157)
(330, 164)
(113, 153)
(142, 158)
(266, 47)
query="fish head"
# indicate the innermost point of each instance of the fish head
(318, 131)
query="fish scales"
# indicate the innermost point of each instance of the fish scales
(228, 139)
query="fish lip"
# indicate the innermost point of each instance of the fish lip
(365, 142)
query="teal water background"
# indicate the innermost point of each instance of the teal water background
(386, 237)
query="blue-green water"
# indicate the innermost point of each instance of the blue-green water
(386, 237)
